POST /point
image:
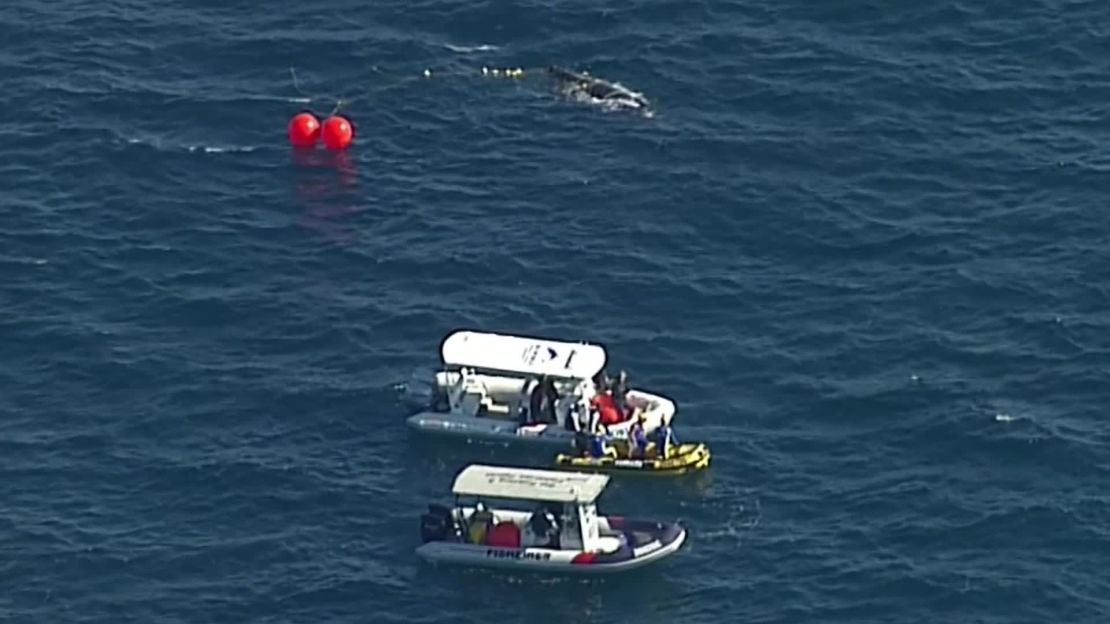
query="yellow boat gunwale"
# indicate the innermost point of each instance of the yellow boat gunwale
(686, 458)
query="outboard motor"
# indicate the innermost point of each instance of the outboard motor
(437, 525)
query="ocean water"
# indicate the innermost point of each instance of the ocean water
(862, 245)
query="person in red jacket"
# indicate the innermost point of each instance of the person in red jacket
(607, 411)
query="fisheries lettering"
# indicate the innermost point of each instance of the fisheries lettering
(517, 554)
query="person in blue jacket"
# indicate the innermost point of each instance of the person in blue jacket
(637, 438)
(664, 439)
(598, 447)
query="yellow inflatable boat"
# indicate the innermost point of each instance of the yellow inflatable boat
(681, 459)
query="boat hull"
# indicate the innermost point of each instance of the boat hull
(502, 428)
(633, 553)
(479, 428)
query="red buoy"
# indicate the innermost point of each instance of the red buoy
(337, 132)
(304, 129)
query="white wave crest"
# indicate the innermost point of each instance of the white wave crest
(485, 47)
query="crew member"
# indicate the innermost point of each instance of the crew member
(601, 381)
(664, 439)
(543, 528)
(619, 391)
(637, 438)
(529, 401)
(598, 447)
(541, 402)
(607, 411)
(480, 522)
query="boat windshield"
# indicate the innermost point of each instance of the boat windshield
(513, 504)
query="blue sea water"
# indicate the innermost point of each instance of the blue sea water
(862, 245)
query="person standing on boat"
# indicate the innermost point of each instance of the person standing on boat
(528, 400)
(543, 529)
(541, 401)
(601, 381)
(607, 411)
(637, 438)
(664, 439)
(551, 396)
(619, 390)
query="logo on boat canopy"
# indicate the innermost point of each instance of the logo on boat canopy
(538, 354)
(517, 554)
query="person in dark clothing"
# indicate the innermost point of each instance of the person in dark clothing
(541, 403)
(550, 390)
(544, 527)
(601, 382)
(536, 402)
(529, 405)
(665, 439)
(637, 439)
(619, 390)
(581, 442)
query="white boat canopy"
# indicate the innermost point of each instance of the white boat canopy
(519, 354)
(529, 484)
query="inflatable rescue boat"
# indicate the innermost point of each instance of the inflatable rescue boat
(545, 521)
(485, 390)
(681, 459)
